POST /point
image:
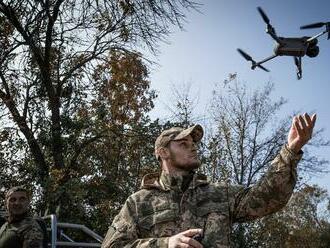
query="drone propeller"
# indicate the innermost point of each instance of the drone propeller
(270, 29)
(314, 25)
(318, 25)
(245, 55)
(263, 15)
(249, 58)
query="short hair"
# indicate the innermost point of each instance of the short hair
(17, 189)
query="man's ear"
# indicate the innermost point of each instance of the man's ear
(164, 153)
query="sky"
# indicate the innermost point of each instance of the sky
(205, 53)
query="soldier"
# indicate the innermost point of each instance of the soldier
(2, 217)
(20, 230)
(174, 208)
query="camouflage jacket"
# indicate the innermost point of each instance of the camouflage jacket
(25, 233)
(160, 209)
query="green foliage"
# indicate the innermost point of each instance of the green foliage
(75, 98)
(302, 223)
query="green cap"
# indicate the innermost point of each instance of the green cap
(177, 133)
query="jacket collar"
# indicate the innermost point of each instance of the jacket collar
(166, 182)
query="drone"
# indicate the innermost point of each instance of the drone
(296, 47)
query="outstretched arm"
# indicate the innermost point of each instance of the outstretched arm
(274, 189)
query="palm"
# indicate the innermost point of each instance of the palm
(301, 131)
(293, 135)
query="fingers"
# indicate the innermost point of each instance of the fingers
(313, 119)
(191, 232)
(302, 122)
(297, 125)
(304, 125)
(185, 240)
(310, 121)
(305, 122)
(301, 131)
(187, 237)
(191, 242)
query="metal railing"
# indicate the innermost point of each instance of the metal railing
(57, 234)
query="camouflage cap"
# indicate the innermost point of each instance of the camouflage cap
(16, 189)
(177, 133)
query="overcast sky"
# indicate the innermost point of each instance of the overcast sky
(205, 53)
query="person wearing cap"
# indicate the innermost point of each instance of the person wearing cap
(20, 230)
(181, 208)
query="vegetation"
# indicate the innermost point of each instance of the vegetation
(75, 97)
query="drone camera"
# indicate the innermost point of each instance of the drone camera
(312, 51)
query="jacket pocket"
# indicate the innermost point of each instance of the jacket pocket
(212, 207)
(159, 220)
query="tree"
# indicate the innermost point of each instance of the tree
(300, 224)
(182, 106)
(248, 134)
(247, 137)
(71, 79)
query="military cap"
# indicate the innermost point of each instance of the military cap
(177, 133)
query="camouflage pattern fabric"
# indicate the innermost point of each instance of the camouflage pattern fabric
(161, 209)
(2, 217)
(25, 233)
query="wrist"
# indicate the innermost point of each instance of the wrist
(296, 149)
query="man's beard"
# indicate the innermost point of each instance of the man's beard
(17, 217)
(185, 167)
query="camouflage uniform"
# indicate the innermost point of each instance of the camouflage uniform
(25, 233)
(161, 209)
(2, 217)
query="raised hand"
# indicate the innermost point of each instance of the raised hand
(301, 131)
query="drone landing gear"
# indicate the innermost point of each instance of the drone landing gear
(297, 61)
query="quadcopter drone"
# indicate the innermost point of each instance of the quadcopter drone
(296, 47)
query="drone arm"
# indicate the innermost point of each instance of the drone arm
(316, 36)
(271, 31)
(265, 60)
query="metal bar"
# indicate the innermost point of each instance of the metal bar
(66, 236)
(77, 244)
(54, 230)
(81, 227)
(55, 225)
